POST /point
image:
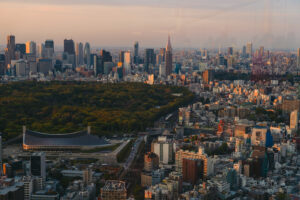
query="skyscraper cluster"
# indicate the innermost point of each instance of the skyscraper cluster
(154, 62)
(30, 59)
(23, 59)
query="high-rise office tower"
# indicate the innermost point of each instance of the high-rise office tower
(79, 53)
(69, 51)
(149, 59)
(169, 59)
(10, 50)
(177, 68)
(162, 70)
(69, 47)
(31, 63)
(121, 56)
(162, 52)
(49, 44)
(31, 47)
(244, 51)
(98, 65)
(127, 62)
(44, 65)
(221, 60)
(107, 67)
(136, 53)
(11, 42)
(158, 59)
(208, 75)
(38, 165)
(106, 57)
(49, 49)
(7, 58)
(261, 51)
(41, 50)
(21, 48)
(298, 58)
(249, 49)
(20, 67)
(2, 64)
(92, 55)
(230, 51)
(87, 54)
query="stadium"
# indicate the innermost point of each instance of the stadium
(81, 140)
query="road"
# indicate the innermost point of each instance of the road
(133, 152)
(137, 143)
(131, 157)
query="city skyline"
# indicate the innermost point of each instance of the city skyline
(59, 47)
(149, 99)
(193, 24)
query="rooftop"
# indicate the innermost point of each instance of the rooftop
(114, 185)
(81, 138)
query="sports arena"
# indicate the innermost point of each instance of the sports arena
(81, 140)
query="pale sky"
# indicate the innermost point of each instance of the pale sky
(191, 23)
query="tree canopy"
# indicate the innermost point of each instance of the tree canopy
(61, 107)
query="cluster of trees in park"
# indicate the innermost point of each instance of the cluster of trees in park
(262, 114)
(61, 107)
(223, 149)
(223, 75)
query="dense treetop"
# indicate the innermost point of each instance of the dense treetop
(60, 107)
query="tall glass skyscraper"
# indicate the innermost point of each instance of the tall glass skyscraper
(169, 59)
(87, 54)
(10, 50)
(249, 49)
(49, 48)
(79, 54)
(149, 59)
(69, 47)
(136, 53)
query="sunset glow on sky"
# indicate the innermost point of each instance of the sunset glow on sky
(191, 23)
